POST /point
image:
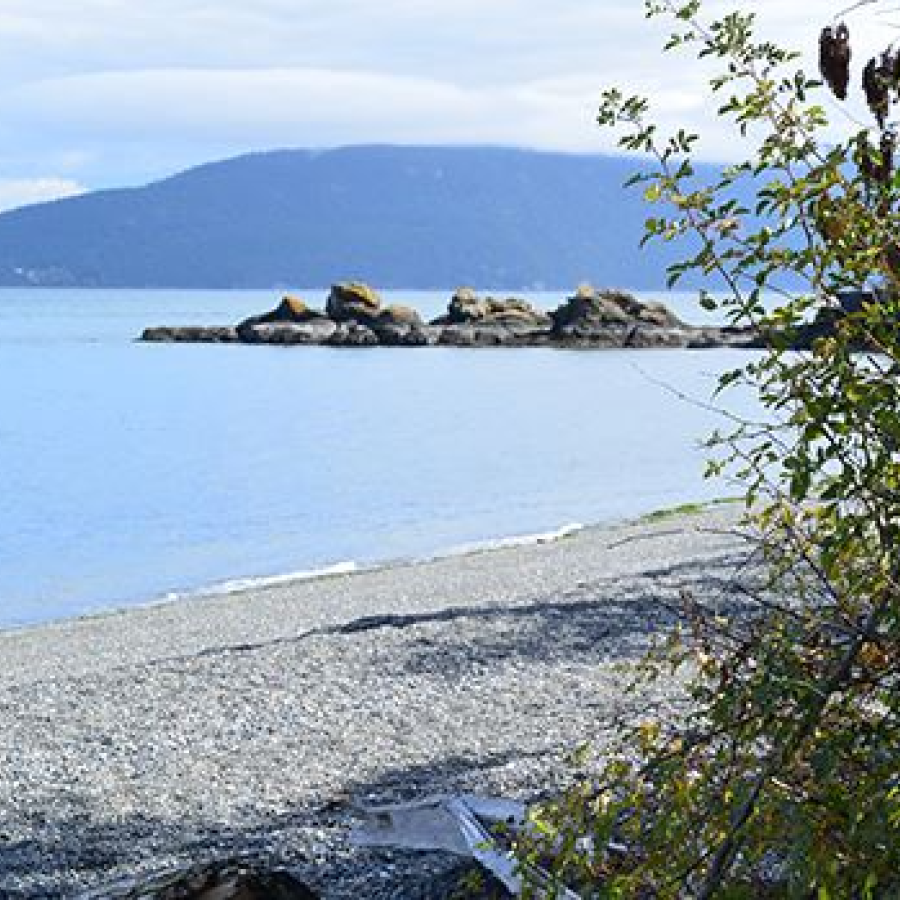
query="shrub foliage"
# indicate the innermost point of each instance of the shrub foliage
(784, 779)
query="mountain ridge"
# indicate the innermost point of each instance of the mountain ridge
(395, 216)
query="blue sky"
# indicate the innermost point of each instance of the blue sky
(100, 93)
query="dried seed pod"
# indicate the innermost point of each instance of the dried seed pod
(875, 81)
(834, 59)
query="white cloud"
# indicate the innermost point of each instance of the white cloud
(15, 192)
(315, 106)
(135, 89)
(326, 107)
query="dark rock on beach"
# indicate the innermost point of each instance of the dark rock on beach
(220, 880)
(354, 316)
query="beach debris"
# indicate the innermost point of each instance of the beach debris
(466, 825)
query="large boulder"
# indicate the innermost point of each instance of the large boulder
(352, 301)
(616, 318)
(588, 310)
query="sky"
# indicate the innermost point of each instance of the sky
(109, 93)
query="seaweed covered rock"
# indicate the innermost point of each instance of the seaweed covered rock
(352, 300)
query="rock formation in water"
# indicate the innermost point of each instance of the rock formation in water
(354, 316)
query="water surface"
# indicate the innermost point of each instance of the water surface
(129, 471)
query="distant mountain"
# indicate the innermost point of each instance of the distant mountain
(414, 217)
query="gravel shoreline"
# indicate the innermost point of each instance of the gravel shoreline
(252, 723)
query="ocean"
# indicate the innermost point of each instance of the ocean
(132, 473)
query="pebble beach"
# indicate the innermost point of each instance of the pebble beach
(255, 723)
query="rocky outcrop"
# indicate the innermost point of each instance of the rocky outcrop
(610, 318)
(355, 317)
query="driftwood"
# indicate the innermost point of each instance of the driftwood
(460, 825)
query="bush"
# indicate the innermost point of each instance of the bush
(784, 780)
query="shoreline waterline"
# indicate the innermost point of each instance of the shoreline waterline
(241, 589)
(249, 584)
(337, 569)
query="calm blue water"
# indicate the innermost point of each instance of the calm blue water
(128, 471)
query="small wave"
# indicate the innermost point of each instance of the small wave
(521, 540)
(238, 585)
